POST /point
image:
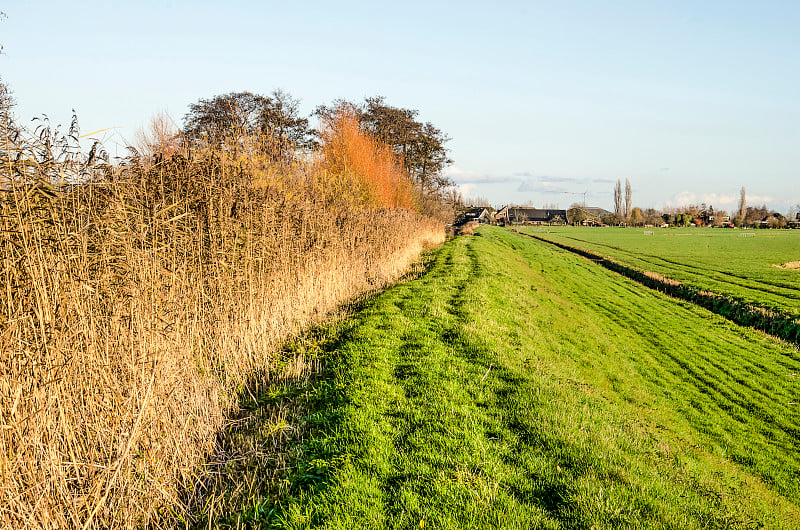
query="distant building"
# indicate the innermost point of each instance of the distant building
(771, 220)
(531, 216)
(705, 217)
(479, 214)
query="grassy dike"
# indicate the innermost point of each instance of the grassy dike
(515, 385)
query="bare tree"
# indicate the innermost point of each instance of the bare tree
(162, 136)
(477, 201)
(618, 198)
(2, 16)
(628, 198)
(233, 113)
(7, 103)
(742, 204)
(281, 119)
(755, 213)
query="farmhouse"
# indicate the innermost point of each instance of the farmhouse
(705, 217)
(479, 214)
(771, 220)
(533, 216)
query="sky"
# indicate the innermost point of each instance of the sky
(545, 102)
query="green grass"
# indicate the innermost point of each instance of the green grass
(736, 263)
(515, 385)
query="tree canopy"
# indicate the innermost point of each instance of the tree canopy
(275, 117)
(214, 118)
(576, 214)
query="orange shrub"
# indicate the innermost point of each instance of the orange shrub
(362, 164)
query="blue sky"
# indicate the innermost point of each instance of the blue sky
(543, 100)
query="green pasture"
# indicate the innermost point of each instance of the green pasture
(736, 263)
(517, 385)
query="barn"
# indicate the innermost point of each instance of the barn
(525, 215)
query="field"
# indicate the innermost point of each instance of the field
(737, 263)
(513, 384)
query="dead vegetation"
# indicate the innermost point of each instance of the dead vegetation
(661, 279)
(467, 229)
(139, 296)
(791, 265)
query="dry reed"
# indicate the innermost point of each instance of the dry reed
(138, 297)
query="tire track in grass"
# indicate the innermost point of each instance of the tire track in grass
(412, 413)
(509, 394)
(716, 396)
(709, 380)
(529, 436)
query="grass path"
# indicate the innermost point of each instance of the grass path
(515, 385)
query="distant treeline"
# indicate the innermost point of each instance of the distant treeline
(625, 214)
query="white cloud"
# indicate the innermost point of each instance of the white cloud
(683, 198)
(466, 189)
(721, 201)
(543, 185)
(461, 176)
(754, 200)
(529, 181)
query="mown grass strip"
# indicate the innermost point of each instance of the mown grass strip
(775, 323)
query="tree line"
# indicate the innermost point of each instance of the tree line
(688, 215)
(420, 146)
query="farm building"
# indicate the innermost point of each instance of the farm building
(479, 214)
(528, 215)
(771, 220)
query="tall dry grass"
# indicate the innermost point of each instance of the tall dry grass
(140, 296)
